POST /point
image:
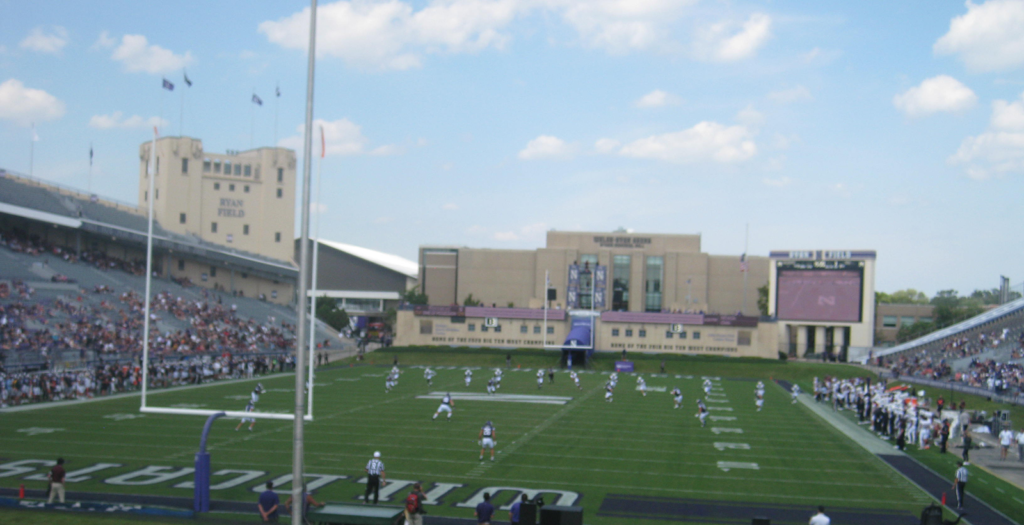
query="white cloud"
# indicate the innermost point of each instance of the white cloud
(317, 208)
(342, 137)
(117, 120)
(1008, 116)
(941, 93)
(450, 206)
(989, 37)
(1000, 149)
(724, 42)
(781, 182)
(785, 141)
(840, 188)
(791, 95)
(105, 41)
(707, 141)
(136, 55)
(394, 35)
(657, 99)
(750, 116)
(24, 105)
(530, 231)
(547, 147)
(606, 145)
(46, 41)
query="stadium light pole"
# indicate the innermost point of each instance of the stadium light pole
(300, 328)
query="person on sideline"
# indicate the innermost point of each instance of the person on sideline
(513, 513)
(268, 504)
(820, 518)
(375, 478)
(414, 505)
(56, 477)
(484, 511)
(959, 484)
(1005, 439)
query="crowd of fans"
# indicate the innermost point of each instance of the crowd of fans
(34, 387)
(103, 261)
(936, 361)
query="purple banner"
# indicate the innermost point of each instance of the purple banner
(624, 366)
(600, 286)
(441, 311)
(731, 320)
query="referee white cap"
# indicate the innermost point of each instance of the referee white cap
(376, 454)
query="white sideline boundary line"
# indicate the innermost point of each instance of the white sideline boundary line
(127, 395)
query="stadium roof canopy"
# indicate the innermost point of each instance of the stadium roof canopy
(32, 199)
(973, 322)
(392, 262)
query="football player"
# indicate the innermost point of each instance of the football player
(702, 412)
(576, 379)
(795, 392)
(759, 402)
(497, 378)
(540, 378)
(429, 374)
(641, 385)
(677, 396)
(490, 386)
(707, 387)
(487, 435)
(608, 391)
(614, 379)
(251, 406)
(255, 396)
(446, 406)
(759, 389)
(469, 376)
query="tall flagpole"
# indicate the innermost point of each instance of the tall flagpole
(300, 326)
(89, 181)
(151, 174)
(252, 118)
(316, 258)
(32, 150)
(746, 244)
(181, 112)
(277, 105)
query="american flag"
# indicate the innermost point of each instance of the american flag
(743, 263)
(168, 85)
(257, 100)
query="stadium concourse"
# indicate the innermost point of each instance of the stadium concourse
(70, 327)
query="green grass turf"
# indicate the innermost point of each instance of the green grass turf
(635, 445)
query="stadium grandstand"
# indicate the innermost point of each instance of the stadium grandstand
(72, 287)
(982, 355)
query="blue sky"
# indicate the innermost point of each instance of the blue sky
(894, 126)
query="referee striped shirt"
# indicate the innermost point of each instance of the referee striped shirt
(961, 475)
(375, 467)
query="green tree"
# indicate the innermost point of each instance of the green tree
(414, 296)
(390, 318)
(470, 301)
(908, 296)
(950, 308)
(762, 299)
(327, 311)
(913, 331)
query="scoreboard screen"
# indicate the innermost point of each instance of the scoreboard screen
(829, 291)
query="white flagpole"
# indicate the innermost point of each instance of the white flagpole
(32, 151)
(89, 182)
(316, 252)
(300, 326)
(746, 244)
(181, 112)
(151, 173)
(252, 118)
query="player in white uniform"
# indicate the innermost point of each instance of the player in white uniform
(576, 379)
(707, 387)
(251, 420)
(490, 386)
(446, 406)
(469, 376)
(540, 378)
(390, 382)
(677, 396)
(487, 435)
(497, 378)
(608, 391)
(429, 374)
(641, 385)
(395, 371)
(614, 379)
(759, 402)
(795, 392)
(255, 396)
(759, 389)
(702, 412)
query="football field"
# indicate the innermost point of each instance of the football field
(633, 458)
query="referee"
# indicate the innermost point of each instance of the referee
(375, 478)
(959, 484)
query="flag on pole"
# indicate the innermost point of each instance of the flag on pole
(743, 263)
(90, 154)
(168, 86)
(278, 91)
(187, 81)
(323, 143)
(257, 100)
